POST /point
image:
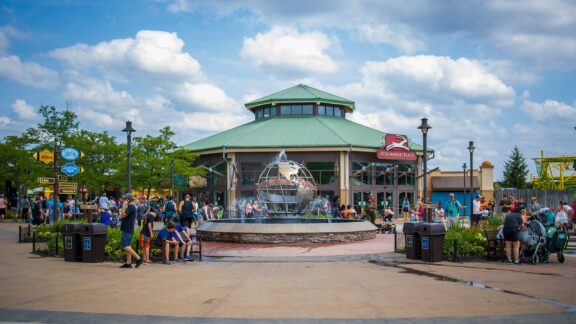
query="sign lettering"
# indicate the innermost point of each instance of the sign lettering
(87, 243)
(425, 243)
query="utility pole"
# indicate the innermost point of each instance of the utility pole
(56, 180)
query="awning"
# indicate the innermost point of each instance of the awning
(455, 183)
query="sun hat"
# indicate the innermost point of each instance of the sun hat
(128, 196)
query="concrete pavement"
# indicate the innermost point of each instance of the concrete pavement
(264, 289)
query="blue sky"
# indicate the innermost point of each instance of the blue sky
(501, 73)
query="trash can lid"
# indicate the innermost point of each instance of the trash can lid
(412, 227)
(94, 228)
(433, 229)
(71, 228)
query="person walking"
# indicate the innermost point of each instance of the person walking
(3, 205)
(439, 213)
(452, 210)
(513, 225)
(476, 211)
(128, 216)
(25, 207)
(406, 209)
(186, 210)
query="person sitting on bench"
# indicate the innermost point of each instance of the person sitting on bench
(183, 236)
(168, 233)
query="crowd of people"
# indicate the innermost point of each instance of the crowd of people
(36, 209)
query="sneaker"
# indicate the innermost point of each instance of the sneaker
(517, 262)
(138, 263)
(179, 260)
(509, 262)
(166, 262)
(189, 258)
(126, 266)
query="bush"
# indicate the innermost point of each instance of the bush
(495, 221)
(471, 241)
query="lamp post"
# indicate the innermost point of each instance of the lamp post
(471, 149)
(129, 130)
(172, 175)
(424, 127)
(464, 177)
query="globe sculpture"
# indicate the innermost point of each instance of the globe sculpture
(285, 188)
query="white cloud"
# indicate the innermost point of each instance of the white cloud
(28, 73)
(179, 6)
(385, 34)
(206, 96)
(24, 110)
(4, 121)
(286, 50)
(152, 52)
(550, 110)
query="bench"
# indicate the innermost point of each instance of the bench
(494, 246)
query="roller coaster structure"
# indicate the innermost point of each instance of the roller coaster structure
(555, 172)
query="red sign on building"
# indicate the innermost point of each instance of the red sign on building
(396, 147)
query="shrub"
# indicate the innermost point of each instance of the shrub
(471, 241)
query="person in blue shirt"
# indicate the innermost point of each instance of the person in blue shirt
(168, 233)
(452, 210)
(106, 217)
(51, 209)
(183, 236)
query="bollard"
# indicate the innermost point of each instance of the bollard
(455, 249)
(20, 234)
(395, 242)
(33, 241)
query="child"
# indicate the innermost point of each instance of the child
(145, 234)
(169, 235)
(105, 217)
(182, 235)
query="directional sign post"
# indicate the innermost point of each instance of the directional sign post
(70, 169)
(44, 156)
(45, 180)
(70, 154)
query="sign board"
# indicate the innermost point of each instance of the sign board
(87, 243)
(70, 169)
(396, 147)
(409, 241)
(45, 156)
(67, 191)
(72, 185)
(62, 178)
(45, 180)
(425, 243)
(68, 242)
(70, 154)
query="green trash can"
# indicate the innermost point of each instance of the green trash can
(93, 238)
(432, 242)
(72, 242)
(412, 240)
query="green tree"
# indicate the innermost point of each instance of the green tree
(515, 170)
(57, 128)
(17, 164)
(152, 156)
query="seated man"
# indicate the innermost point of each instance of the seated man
(67, 211)
(183, 236)
(168, 233)
(105, 217)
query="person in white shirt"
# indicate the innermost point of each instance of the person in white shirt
(476, 212)
(439, 213)
(103, 202)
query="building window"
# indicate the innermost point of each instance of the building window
(296, 109)
(361, 173)
(337, 111)
(307, 110)
(321, 110)
(329, 111)
(323, 172)
(406, 175)
(249, 172)
(285, 110)
(259, 113)
(384, 173)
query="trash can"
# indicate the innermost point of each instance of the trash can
(72, 244)
(412, 239)
(93, 238)
(432, 242)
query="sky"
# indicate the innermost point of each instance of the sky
(500, 73)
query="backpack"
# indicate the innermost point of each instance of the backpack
(169, 206)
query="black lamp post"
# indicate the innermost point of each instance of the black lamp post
(172, 175)
(129, 130)
(471, 149)
(424, 127)
(464, 173)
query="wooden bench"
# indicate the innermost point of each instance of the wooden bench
(494, 246)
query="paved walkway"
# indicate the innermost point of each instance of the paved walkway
(387, 287)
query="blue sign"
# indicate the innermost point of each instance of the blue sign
(70, 169)
(87, 243)
(425, 243)
(70, 154)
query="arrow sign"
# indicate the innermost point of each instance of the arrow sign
(44, 180)
(70, 169)
(46, 156)
(70, 154)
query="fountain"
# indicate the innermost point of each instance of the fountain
(288, 212)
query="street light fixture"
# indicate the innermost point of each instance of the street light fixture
(129, 130)
(464, 177)
(471, 149)
(424, 127)
(172, 176)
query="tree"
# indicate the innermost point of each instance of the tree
(57, 128)
(17, 164)
(151, 161)
(515, 170)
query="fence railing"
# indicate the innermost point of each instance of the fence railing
(546, 198)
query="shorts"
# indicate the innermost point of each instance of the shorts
(144, 241)
(187, 221)
(126, 239)
(405, 210)
(2, 211)
(511, 235)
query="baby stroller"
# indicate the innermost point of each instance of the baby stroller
(533, 241)
(557, 241)
(387, 226)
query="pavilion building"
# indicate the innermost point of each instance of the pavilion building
(346, 159)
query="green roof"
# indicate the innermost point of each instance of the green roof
(301, 93)
(295, 131)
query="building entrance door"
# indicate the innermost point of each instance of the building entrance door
(385, 200)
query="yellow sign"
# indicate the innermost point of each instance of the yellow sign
(67, 191)
(81, 170)
(81, 154)
(73, 185)
(45, 156)
(44, 180)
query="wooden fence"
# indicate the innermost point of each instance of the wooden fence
(546, 198)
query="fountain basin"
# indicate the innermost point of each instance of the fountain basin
(278, 231)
